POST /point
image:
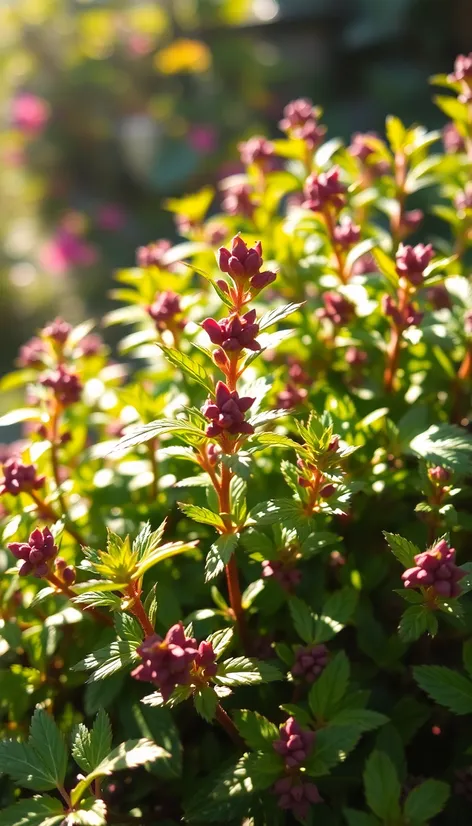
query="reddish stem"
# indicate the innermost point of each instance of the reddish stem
(393, 353)
(231, 568)
(137, 609)
(226, 722)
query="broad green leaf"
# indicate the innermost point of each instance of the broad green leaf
(126, 756)
(258, 732)
(91, 747)
(194, 370)
(362, 719)
(332, 746)
(25, 414)
(337, 611)
(206, 701)
(108, 660)
(467, 656)
(330, 687)
(382, 787)
(452, 107)
(303, 619)
(446, 445)
(403, 549)
(426, 801)
(417, 620)
(49, 745)
(357, 818)
(92, 812)
(219, 555)
(446, 687)
(22, 763)
(396, 133)
(40, 810)
(243, 671)
(203, 515)
(160, 554)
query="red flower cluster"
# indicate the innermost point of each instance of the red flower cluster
(153, 254)
(65, 383)
(452, 139)
(361, 148)
(169, 662)
(58, 330)
(296, 795)
(300, 121)
(409, 317)
(412, 262)
(310, 662)
(19, 478)
(256, 150)
(165, 310)
(244, 264)
(346, 233)
(324, 190)
(90, 346)
(436, 569)
(337, 308)
(65, 572)
(237, 200)
(295, 743)
(234, 333)
(226, 413)
(286, 575)
(37, 554)
(32, 352)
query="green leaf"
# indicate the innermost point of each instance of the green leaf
(332, 746)
(417, 620)
(467, 656)
(278, 314)
(361, 719)
(446, 687)
(403, 549)
(158, 725)
(21, 762)
(446, 445)
(426, 801)
(220, 640)
(356, 818)
(92, 812)
(36, 811)
(91, 747)
(203, 515)
(337, 611)
(303, 619)
(49, 745)
(251, 592)
(258, 732)
(25, 414)
(330, 687)
(108, 660)
(206, 701)
(396, 132)
(145, 432)
(243, 671)
(219, 555)
(128, 628)
(452, 107)
(382, 787)
(194, 370)
(126, 756)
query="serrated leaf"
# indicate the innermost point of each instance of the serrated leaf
(332, 746)
(194, 370)
(278, 314)
(220, 640)
(258, 732)
(417, 620)
(446, 445)
(362, 719)
(303, 619)
(49, 745)
(206, 701)
(36, 811)
(108, 660)
(402, 548)
(202, 515)
(245, 671)
(89, 748)
(330, 687)
(357, 818)
(219, 555)
(426, 801)
(20, 761)
(382, 787)
(140, 434)
(446, 687)
(126, 756)
(92, 812)
(337, 611)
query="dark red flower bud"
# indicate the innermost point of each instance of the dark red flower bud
(412, 261)
(256, 150)
(412, 219)
(167, 662)
(237, 201)
(57, 330)
(286, 575)
(297, 795)
(327, 491)
(166, 311)
(452, 139)
(90, 346)
(436, 569)
(346, 233)
(291, 396)
(463, 200)
(355, 357)
(462, 69)
(226, 413)
(295, 744)
(364, 265)
(334, 444)
(310, 662)
(337, 309)
(439, 475)
(234, 333)
(220, 358)
(300, 121)
(324, 190)
(19, 478)
(439, 297)
(205, 659)
(31, 354)
(37, 554)
(153, 254)
(360, 147)
(262, 279)
(69, 575)
(65, 383)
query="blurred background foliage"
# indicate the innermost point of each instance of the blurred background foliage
(109, 107)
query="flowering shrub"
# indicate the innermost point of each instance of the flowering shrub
(281, 634)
